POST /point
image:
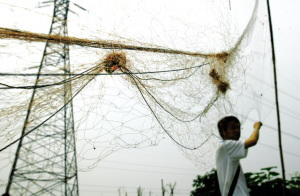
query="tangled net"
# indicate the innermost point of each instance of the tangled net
(127, 93)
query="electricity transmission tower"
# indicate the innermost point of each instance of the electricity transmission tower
(45, 160)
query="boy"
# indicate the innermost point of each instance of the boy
(229, 153)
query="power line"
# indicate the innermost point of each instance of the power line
(265, 125)
(283, 92)
(276, 148)
(280, 75)
(151, 166)
(274, 129)
(28, 132)
(90, 185)
(132, 170)
(290, 115)
(126, 187)
(127, 192)
(155, 116)
(97, 74)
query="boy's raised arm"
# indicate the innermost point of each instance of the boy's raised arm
(254, 136)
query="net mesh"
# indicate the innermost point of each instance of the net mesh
(138, 72)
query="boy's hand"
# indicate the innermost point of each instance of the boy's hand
(257, 125)
(254, 136)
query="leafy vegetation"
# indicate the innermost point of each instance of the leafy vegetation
(261, 183)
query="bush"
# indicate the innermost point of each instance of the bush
(259, 184)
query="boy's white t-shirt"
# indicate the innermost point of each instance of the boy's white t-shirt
(228, 158)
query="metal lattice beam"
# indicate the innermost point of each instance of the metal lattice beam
(45, 160)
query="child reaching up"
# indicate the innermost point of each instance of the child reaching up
(230, 174)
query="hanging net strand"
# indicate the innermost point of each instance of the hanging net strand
(132, 85)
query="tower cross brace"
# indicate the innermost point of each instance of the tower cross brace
(45, 160)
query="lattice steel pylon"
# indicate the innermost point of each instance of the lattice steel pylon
(45, 160)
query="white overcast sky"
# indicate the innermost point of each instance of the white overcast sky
(129, 169)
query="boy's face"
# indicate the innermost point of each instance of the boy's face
(233, 131)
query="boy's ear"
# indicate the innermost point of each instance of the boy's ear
(224, 133)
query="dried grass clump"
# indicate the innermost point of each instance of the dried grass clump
(214, 75)
(222, 56)
(221, 85)
(114, 61)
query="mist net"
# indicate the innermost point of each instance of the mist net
(138, 72)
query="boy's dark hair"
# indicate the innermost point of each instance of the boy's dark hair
(223, 124)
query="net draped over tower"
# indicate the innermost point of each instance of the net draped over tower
(45, 160)
(133, 84)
